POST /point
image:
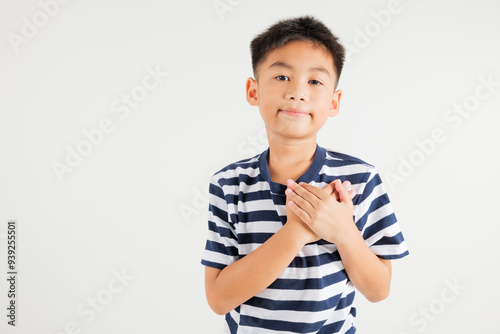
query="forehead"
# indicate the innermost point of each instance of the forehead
(300, 55)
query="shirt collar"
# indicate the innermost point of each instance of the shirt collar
(307, 177)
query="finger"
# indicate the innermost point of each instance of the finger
(336, 194)
(346, 184)
(301, 213)
(299, 200)
(343, 194)
(329, 188)
(303, 192)
(352, 193)
(317, 192)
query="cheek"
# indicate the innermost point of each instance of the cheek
(325, 99)
(268, 99)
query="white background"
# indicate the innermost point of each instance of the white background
(135, 203)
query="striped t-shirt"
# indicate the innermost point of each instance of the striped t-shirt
(314, 294)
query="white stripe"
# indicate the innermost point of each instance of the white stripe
(362, 208)
(307, 250)
(259, 205)
(345, 170)
(245, 188)
(312, 272)
(259, 227)
(307, 294)
(285, 315)
(389, 231)
(237, 171)
(389, 249)
(377, 215)
(216, 237)
(217, 257)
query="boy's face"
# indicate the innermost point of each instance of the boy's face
(295, 91)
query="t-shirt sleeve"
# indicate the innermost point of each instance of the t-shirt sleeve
(377, 222)
(221, 248)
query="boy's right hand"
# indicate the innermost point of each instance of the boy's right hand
(304, 232)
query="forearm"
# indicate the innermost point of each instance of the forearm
(248, 276)
(369, 274)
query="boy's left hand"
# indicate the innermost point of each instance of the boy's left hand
(330, 219)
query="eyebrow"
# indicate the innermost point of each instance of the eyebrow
(288, 66)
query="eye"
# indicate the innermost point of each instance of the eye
(315, 82)
(282, 78)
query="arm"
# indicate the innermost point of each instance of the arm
(370, 274)
(243, 279)
(333, 221)
(230, 287)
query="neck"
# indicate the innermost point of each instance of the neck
(290, 159)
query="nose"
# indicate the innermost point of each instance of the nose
(296, 92)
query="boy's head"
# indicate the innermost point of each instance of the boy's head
(297, 63)
(305, 28)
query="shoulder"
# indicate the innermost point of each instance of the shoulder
(338, 159)
(350, 168)
(232, 173)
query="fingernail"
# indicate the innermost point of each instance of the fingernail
(289, 182)
(288, 192)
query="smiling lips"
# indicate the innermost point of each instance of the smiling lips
(294, 112)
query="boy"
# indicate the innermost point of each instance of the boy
(284, 250)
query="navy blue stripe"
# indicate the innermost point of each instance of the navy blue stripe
(218, 212)
(216, 191)
(256, 216)
(374, 205)
(346, 158)
(254, 195)
(233, 326)
(369, 186)
(336, 326)
(346, 301)
(245, 163)
(355, 179)
(351, 330)
(379, 225)
(309, 283)
(213, 264)
(295, 305)
(332, 328)
(241, 178)
(222, 231)
(221, 248)
(394, 257)
(395, 240)
(253, 238)
(248, 197)
(314, 260)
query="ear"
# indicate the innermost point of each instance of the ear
(334, 108)
(251, 88)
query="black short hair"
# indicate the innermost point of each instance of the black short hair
(304, 28)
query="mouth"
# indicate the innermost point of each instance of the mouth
(294, 112)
